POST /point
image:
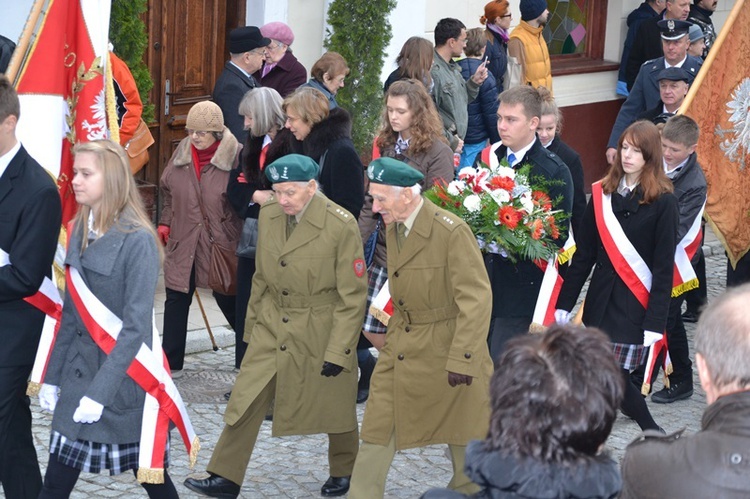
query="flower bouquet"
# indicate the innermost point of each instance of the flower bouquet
(509, 211)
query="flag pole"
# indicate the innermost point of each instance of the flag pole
(712, 54)
(22, 48)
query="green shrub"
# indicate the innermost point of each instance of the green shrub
(360, 32)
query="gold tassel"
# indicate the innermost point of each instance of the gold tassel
(150, 475)
(194, 448)
(32, 389)
(645, 388)
(566, 255)
(536, 328)
(684, 287)
(380, 315)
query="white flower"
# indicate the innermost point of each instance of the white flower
(466, 171)
(456, 187)
(500, 196)
(504, 171)
(526, 201)
(473, 203)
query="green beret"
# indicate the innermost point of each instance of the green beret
(292, 168)
(389, 171)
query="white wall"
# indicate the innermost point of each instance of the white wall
(13, 18)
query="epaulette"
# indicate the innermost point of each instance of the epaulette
(340, 212)
(448, 220)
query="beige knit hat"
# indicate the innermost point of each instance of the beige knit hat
(205, 117)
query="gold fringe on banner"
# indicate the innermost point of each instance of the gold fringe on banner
(111, 104)
(685, 287)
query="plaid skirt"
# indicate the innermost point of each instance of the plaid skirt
(376, 277)
(629, 356)
(92, 457)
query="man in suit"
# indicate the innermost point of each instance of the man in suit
(516, 286)
(30, 217)
(431, 381)
(247, 50)
(645, 92)
(647, 43)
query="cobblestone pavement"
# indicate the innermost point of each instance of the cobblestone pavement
(297, 466)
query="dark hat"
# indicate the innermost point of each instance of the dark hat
(245, 39)
(389, 171)
(292, 168)
(531, 9)
(695, 33)
(673, 29)
(673, 74)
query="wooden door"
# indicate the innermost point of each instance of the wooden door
(186, 52)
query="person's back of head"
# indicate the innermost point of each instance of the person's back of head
(681, 129)
(332, 63)
(722, 344)
(446, 29)
(555, 396)
(9, 103)
(475, 42)
(415, 60)
(525, 95)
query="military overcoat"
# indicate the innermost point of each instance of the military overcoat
(306, 307)
(442, 302)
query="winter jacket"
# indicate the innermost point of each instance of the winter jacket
(452, 95)
(702, 18)
(635, 18)
(319, 86)
(483, 109)
(529, 47)
(496, 52)
(286, 77)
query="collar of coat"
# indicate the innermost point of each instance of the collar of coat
(107, 250)
(223, 157)
(728, 414)
(338, 125)
(315, 216)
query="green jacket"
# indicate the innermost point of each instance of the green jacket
(452, 95)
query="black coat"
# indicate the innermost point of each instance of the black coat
(496, 52)
(646, 46)
(610, 304)
(483, 109)
(342, 176)
(229, 90)
(635, 18)
(690, 189)
(515, 287)
(573, 161)
(655, 112)
(30, 217)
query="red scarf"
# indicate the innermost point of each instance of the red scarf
(202, 157)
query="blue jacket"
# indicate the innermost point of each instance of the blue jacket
(497, 56)
(483, 109)
(643, 12)
(645, 93)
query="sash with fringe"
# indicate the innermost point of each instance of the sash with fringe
(631, 268)
(382, 305)
(150, 371)
(544, 310)
(684, 275)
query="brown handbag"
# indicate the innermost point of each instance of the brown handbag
(137, 147)
(222, 265)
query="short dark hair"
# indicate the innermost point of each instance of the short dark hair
(525, 95)
(682, 130)
(9, 103)
(555, 396)
(446, 29)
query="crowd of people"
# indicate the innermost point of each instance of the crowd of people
(267, 203)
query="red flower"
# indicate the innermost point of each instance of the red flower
(555, 232)
(457, 204)
(536, 227)
(542, 199)
(506, 183)
(509, 216)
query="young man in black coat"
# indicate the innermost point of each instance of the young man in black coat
(515, 286)
(30, 217)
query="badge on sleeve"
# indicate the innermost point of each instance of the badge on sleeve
(359, 267)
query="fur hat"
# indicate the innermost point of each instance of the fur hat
(278, 31)
(205, 116)
(531, 9)
(493, 10)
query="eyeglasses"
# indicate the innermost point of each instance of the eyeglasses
(196, 132)
(274, 46)
(507, 15)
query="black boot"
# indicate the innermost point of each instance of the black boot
(365, 374)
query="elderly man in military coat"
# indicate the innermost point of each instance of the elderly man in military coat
(303, 321)
(431, 382)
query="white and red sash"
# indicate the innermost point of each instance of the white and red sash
(48, 300)
(546, 301)
(684, 275)
(630, 267)
(381, 306)
(150, 371)
(488, 156)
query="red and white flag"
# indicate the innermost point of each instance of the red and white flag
(61, 88)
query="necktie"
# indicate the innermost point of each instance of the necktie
(291, 224)
(400, 235)
(511, 159)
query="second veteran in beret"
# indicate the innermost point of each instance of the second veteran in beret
(303, 322)
(431, 381)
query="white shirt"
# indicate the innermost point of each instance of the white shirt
(624, 189)
(6, 158)
(678, 65)
(520, 153)
(671, 173)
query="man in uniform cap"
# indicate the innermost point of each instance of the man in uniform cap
(674, 84)
(302, 325)
(247, 50)
(644, 94)
(431, 381)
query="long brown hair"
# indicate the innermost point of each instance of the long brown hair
(653, 182)
(426, 125)
(415, 60)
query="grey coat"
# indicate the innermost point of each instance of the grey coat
(121, 269)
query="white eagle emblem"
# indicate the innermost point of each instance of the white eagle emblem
(736, 140)
(274, 173)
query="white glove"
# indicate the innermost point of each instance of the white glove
(48, 397)
(650, 337)
(562, 317)
(88, 411)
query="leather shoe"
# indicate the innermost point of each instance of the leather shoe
(689, 316)
(335, 486)
(362, 395)
(678, 391)
(214, 486)
(227, 396)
